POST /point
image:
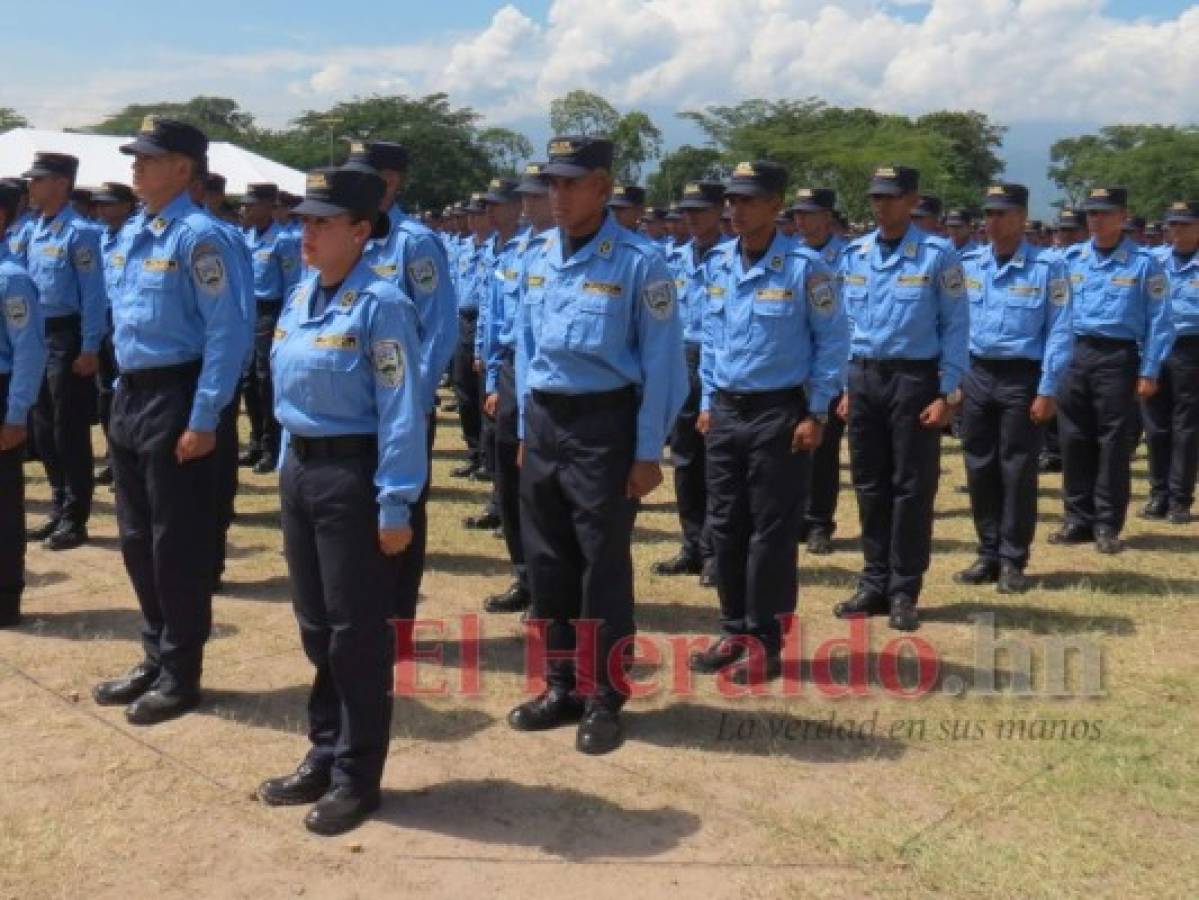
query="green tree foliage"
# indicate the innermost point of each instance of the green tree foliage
(680, 166)
(505, 149)
(1157, 163)
(10, 118)
(219, 117)
(636, 138)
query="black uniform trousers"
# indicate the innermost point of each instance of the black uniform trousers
(264, 335)
(1096, 419)
(106, 376)
(577, 526)
(343, 590)
(227, 477)
(896, 466)
(167, 516)
(1172, 426)
(466, 386)
(1001, 447)
(62, 420)
(756, 491)
(412, 559)
(690, 467)
(12, 519)
(507, 473)
(824, 479)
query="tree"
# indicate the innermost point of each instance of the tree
(1157, 163)
(10, 118)
(218, 117)
(505, 149)
(582, 112)
(635, 137)
(679, 167)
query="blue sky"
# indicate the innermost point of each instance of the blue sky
(1127, 61)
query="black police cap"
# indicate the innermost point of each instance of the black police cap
(289, 200)
(1034, 226)
(894, 181)
(81, 195)
(1103, 199)
(809, 199)
(627, 196)
(531, 181)
(262, 193)
(674, 214)
(1136, 223)
(18, 184)
(573, 156)
(702, 195)
(1006, 196)
(348, 189)
(159, 136)
(215, 183)
(114, 192)
(10, 195)
(930, 205)
(761, 178)
(382, 155)
(1071, 220)
(475, 205)
(655, 213)
(958, 216)
(501, 191)
(1183, 211)
(46, 164)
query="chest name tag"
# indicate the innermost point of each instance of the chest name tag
(856, 280)
(160, 265)
(336, 342)
(1123, 281)
(974, 284)
(607, 288)
(912, 280)
(774, 294)
(1023, 290)
(385, 271)
(534, 281)
(715, 290)
(53, 251)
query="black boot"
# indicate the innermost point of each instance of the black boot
(862, 603)
(682, 563)
(307, 784)
(982, 571)
(552, 708)
(515, 599)
(1012, 579)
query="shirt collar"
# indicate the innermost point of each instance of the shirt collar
(601, 245)
(175, 209)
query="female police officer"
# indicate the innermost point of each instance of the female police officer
(355, 463)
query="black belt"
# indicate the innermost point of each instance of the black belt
(269, 303)
(58, 324)
(575, 404)
(1018, 364)
(142, 379)
(1106, 343)
(507, 355)
(469, 314)
(343, 446)
(1186, 341)
(752, 401)
(886, 366)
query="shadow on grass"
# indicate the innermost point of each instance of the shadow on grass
(1116, 583)
(469, 563)
(562, 822)
(97, 624)
(1029, 618)
(273, 587)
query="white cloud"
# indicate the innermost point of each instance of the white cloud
(1017, 60)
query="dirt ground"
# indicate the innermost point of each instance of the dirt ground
(954, 792)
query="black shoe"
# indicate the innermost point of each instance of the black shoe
(515, 599)
(748, 674)
(250, 456)
(1049, 464)
(482, 475)
(43, 531)
(307, 784)
(154, 707)
(1180, 516)
(551, 709)
(265, 464)
(1012, 579)
(863, 603)
(1072, 534)
(820, 542)
(463, 471)
(600, 731)
(1108, 542)
(707, 578)
(483, 522)
(342, 808)
(1154, 509)
(10, 617)
(66, 537)
(983, 571)
(104, 476)
(124, 690)
(725, 652)
(903, 614)
(683, 563)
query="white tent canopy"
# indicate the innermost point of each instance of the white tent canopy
(100, 159)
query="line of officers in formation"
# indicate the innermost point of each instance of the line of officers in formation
(579, 342)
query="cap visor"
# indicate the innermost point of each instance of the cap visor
(36, 172)
(497, 199)
(696, 204)
(106, 198)
(143, 147)
(621, 203)
(320, 209)
(1002, 204)
(564, 170)
(1183, 218)
(884, 189)
(747, 190)
(808, 207)
(538, 189)
(1100, 206)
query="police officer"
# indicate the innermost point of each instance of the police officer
(701, 206)
(22, 362)
(474, 273)
(653, 226)
(180, 336)
(813, 212)
(413, 259)
(349, 395)
(1122, 333)
(628, 205)
(905, 297)
(1019, 344)
(600, 344)
(959, 226)
(499, 359)
(1172, 414)
(276, 269)
(62, 256)
(1070, 230)
(927, 214)
(114, 205)
(775, 347)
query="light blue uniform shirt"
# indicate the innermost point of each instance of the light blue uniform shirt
(1020, 310)
(176, 303)
(775, 325)
(474, 273)
(604, 319)
(1123, 296)
(22, 341)
(910, 305)
(497, 320)
(691, 285)
(274, 255)
(1184, 289)
(62, 256)
(348, 369)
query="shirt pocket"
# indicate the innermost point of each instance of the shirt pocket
(149, 298)
(1022, 313)
(329, 378)
(595, 322)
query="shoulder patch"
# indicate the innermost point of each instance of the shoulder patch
(423, 274)
(388, 358)
(1059, 291)
(347, 299)
(1157, 286)
(208, 270)
(952, 281)
(16, 311)
(820, 294)
(84, 259)
(659, 299)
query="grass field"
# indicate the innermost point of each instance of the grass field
(954, 793)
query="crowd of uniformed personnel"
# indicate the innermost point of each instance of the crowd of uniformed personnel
(748, 328)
